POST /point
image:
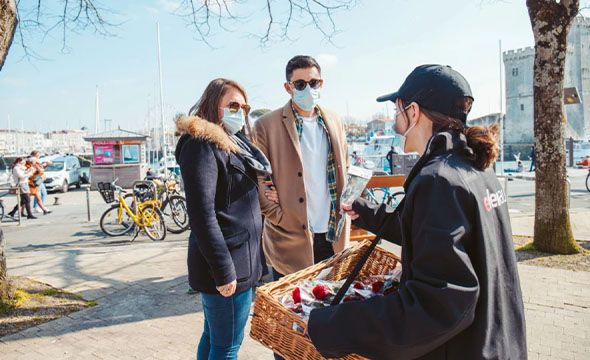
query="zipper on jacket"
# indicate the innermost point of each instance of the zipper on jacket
(244, 172)
(228, 199)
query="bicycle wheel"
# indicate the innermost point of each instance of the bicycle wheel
(110, 224)
(588, 181)
(1, 211)
(175, 214)
(153, 222)
(379, 196)
(395, 199)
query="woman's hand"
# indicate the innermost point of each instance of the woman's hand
(272, 195)
(227, 290)
(347, 208)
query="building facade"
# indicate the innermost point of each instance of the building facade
(485, 120)
(23, 142)
(380, 126)
(518, 66)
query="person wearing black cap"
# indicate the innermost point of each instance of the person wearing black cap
(459, 296)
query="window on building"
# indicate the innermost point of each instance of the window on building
(522, 107)
(514, 71)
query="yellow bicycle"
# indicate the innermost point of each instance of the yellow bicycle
(122, 218)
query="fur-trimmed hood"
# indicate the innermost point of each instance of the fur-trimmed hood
(205, 130)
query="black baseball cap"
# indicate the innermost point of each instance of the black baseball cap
(434, 87)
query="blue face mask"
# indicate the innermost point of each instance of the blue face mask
(233, 122)
(307, 98)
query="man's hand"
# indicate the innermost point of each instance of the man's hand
(272, 195)
(227, 290)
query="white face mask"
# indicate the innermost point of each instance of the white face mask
(307, 98)
(233, 122)
(405, 135)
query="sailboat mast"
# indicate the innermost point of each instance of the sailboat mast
(162, 102)
(96, 113)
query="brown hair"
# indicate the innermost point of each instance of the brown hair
(16, 161)
(483, 140)
(206, 107)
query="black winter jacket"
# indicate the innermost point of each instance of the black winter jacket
(459, 296)
(222, 203)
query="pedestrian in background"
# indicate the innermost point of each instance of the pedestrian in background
(20, 178)
(36, 184)
(389, 157)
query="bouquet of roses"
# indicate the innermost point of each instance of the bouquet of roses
(315, 293)
(356, 182)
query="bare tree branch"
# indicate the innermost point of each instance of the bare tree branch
(71, 16)
(202, 14)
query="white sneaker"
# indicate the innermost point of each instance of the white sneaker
(36, 210)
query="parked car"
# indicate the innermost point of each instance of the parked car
(63, 172)
(5, 173)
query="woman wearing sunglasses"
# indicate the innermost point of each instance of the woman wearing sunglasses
(219, 167)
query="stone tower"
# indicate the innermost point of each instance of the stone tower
(518, 66)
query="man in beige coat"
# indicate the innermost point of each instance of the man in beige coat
(306, 146)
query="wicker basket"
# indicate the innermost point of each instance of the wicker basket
(281, 330)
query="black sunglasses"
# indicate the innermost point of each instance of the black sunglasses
(301, 84)
(234, 107)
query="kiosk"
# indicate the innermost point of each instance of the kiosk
(117, 154)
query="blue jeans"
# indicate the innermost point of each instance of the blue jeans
(43, 191)
(225, 320)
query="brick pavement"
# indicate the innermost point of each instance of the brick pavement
(144, 311)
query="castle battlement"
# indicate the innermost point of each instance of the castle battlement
(518, 54)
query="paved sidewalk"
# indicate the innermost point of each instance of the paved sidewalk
(144, 311)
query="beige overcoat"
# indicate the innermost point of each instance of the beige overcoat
(286, 237)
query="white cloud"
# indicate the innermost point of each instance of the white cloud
(169, 5)
(152, 10)
(326, 59)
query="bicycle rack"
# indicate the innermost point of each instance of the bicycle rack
(145, 187)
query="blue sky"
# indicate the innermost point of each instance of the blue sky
(378, 44)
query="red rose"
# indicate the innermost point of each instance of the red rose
(320, 291)
(358, 285)
(390, 290)
(377, 286)
(296, 294)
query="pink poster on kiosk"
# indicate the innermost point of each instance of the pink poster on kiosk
(103, 154)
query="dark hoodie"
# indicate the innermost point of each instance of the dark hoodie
(460, 294)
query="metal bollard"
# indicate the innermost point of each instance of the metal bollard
(88, 203)
(506, 187)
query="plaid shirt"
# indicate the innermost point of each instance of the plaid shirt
(331, 168)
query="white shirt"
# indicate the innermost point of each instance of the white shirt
(314, 155)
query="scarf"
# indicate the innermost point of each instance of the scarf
(253, 156)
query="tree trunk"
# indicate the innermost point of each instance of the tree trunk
(8, 23)
(551, 21)
(3, 276)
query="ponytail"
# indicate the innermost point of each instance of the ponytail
(483, 140)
